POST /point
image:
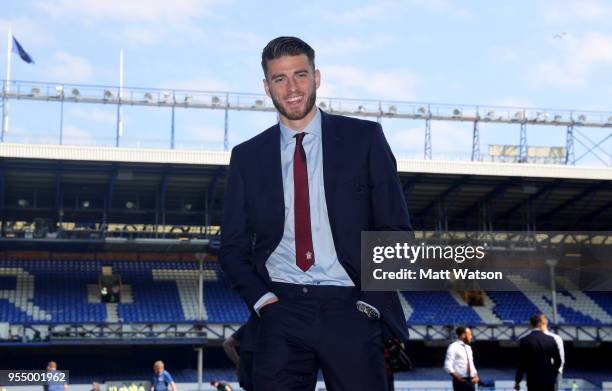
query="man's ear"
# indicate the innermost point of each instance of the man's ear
(317, 75)
(266, 87)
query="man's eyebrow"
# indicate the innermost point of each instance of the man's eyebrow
(275, 75)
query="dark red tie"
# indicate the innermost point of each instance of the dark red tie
(304, 252)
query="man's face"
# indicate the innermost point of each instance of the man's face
(467, 336)
(292, 83)
(158, 368)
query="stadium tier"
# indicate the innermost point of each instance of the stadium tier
(56, 291)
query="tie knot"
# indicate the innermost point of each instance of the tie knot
(299, 137)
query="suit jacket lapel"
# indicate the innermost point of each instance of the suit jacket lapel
(331, 164)
(271, 163)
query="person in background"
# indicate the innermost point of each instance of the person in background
(221, 386)
(459, 362)
(239, 350)
(55, 386)
(559, 342)
(162, 380)
(539, 358)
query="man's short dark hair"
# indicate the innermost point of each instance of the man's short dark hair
(536, 320)
(460, 330)
(285, 46)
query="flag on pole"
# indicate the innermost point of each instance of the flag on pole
(17, 48)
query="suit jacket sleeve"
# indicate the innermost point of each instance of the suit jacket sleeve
(237, 238)
(390, 212)
(389, 209)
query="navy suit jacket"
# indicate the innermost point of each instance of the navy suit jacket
(539, 358)
(362, 190)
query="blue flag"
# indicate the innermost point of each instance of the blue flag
(17, 48)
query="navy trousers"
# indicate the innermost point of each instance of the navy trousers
(318, 327)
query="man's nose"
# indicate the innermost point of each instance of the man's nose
(292, 85)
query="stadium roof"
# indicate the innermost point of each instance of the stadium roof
(189, 184)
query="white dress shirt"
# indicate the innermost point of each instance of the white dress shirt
(458, 355)
(559, 342)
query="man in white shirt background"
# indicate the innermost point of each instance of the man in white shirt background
(559, 341)
(459, 362)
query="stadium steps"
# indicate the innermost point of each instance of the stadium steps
(534, 292)
(407, 308)
(582, 302)
(455, 295)
(22, 296)
(93, 293)
(127, 297)
(486, 310)
(112, 314)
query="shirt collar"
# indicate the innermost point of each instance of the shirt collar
(313, 127)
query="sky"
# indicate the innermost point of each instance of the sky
(551, 54)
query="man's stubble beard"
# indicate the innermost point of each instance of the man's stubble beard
(310, 102)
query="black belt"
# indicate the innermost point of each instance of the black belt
(282, 289)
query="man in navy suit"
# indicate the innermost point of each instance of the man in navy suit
(298, 197)
(539, 358)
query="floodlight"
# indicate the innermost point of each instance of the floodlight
(59, 91)
(23, 203)
(557, 118)
(519, 115)
(85, 204)
(361, 109)
(188, 99)
(76, 93)
(393, 109)
(490, 114)
(215, 100)
(259, 103)
(148, 97)
(130, 204)
(108, 95)
(457, 113)
(166, 96)
(323, 105)
(35, 91)
(422, 111)
(582, 118)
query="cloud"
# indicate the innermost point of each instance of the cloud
(350, 45)
(512, 101)
(153, 11)
(444, 7)
(200, 83)
(563, 12)
(200, 137)
(68, 68)
(140, 22)
(76, 136)
(577, 57)
(353, 82)
(26, 30)
(95, 114)
(360, 14)
(449, 139)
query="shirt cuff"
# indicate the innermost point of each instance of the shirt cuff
(262, 300)
(370, 306)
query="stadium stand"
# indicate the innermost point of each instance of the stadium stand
(66, 291)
